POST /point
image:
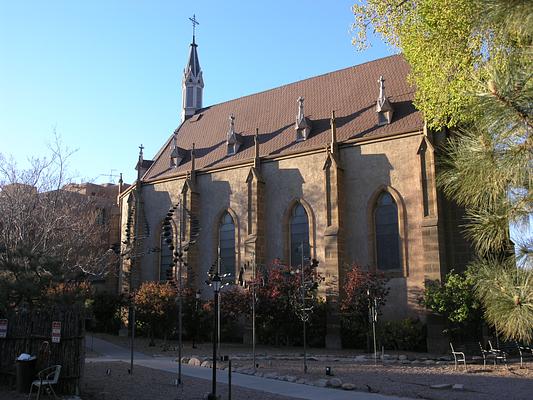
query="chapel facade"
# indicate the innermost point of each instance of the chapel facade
(338, 168)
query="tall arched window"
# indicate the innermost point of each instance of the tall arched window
(226, 243)
(299, 235)
(165, 256)
(387, 233)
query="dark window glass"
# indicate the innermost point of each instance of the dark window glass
(299, 235)
(226, 243)
(165, 257)
(387, 233)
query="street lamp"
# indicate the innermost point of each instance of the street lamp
(215, 282)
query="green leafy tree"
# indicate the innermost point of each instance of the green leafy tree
(471, 64)
(455, 299)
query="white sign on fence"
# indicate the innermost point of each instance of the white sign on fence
(56, 331)
(3, 328)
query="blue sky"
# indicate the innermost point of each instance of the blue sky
(107, 74)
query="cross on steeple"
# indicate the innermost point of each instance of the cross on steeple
(194, 23)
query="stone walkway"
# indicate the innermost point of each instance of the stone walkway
(112, 352)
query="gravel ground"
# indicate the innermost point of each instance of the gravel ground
(146, 384)
(415, 381)
(406, 380)
(152, 384)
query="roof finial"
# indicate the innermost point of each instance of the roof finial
(257, 163)
(383, 105)
(300, 108)
(231, 125)
(333, 132)
(193, 158)
(381, 88)
(141, 147)
(194, 23)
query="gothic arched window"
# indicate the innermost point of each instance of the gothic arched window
(299, 235)
(387, 233)
(165, 256)
(226, 243)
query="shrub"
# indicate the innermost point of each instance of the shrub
(105, 309)
(455, 300)
(156, 309)
(360, 286)
(407, 334)
(278, 303)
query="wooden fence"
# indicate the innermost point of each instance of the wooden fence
(27, 332)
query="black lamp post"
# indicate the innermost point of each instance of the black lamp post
(216, 282)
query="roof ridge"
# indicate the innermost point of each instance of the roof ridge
(293, 83)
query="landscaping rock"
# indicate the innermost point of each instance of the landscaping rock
(335, 382)
(301, 381)
(348, 386)
(184, 360)
(206, 364)
(290, 378)
(271, 375)
(194, 362)
(429, 362)
(321, 383)
(402, 357)
(441, 386)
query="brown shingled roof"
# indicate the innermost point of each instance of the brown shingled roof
(351, 92)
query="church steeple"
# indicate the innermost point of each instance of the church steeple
(193, 82)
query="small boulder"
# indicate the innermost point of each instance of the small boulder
(402, 357)
(290, 378)
(441, 386)
(194, 362)
(429, 362)
(184, 360)
(335, 382)
(348, 386)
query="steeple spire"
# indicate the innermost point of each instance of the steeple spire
(192, 83)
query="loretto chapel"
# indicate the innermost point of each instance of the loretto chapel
(340, 166)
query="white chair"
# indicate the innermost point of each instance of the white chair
(46, 378)
(458, 356)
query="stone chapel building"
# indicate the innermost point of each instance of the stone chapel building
(341, 162)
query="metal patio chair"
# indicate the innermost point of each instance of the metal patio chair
(46, 378)
(458, 356)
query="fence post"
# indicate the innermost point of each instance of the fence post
(229, 379)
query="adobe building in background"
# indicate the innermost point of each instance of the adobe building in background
(104, 198)
(340, 162)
